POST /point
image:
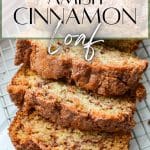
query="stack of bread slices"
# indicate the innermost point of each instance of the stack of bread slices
(68, 103)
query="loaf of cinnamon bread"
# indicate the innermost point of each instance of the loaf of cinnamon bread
(70, 106)
(111, 72)
(32, 132)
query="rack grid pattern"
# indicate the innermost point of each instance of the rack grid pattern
(140, 134)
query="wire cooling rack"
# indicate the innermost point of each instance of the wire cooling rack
(140, 134)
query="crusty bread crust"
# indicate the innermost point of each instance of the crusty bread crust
(123, 45)
(115, 141)
(140, 92)
(23, 52)
(97, 77)
(17, 94)
(17, 90)
(28, 144)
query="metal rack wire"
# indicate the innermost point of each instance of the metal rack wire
(140, 134)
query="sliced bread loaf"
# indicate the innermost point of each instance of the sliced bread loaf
(68, 105)
(32, 132)
(110, 73)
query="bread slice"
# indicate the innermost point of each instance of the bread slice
(123, 45)
(110, 73)
(32, 132)
(68, 105)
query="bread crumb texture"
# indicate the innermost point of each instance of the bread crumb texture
(32, 132)
(69, 105)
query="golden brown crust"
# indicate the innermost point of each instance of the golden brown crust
(140, 92)
(17, 94)
(28, 144)
(65, 115)
(16, 89)
(24, 139)
(123, 45)
(103, 79)
(23, 52)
